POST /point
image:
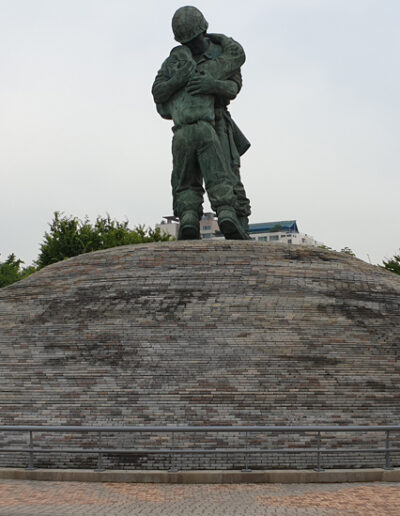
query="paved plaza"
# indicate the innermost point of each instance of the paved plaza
(34, 498)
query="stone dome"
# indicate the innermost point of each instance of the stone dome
(197, 332)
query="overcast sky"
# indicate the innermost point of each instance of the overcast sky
(79, 132)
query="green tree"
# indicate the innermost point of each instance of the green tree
(70, 236)
(11, 271)
(393, 264)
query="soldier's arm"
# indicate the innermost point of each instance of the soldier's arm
(231, 59)
(208, 85)
(224, 78)
(230, 88)
(228, 66)
(226, 89)
(165, 86)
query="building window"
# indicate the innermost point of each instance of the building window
(274, 237)
(263, 238)
(206, 228)
(207, 235)
(289, 241)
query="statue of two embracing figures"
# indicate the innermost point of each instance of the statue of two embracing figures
(193, 89)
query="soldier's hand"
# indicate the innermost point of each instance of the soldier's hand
(202, 84)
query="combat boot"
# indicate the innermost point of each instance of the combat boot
(229, 224)
(244, 222)
(189, 228)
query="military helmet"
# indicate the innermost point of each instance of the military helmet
(188, 23)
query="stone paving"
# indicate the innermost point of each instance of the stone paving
(33, 498)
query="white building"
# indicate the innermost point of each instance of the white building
(169, 226)
(208, 226)
(284, 231)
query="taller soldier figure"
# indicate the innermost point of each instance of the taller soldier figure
(193, 88)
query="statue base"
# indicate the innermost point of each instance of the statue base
(201, 333)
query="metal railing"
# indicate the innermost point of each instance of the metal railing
(246, 450)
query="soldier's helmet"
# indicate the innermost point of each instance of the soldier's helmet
(188, 23)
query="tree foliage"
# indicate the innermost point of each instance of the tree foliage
(70, 236)
(393, 264)
(11, 271)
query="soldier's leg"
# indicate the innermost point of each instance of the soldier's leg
(242, 203)
(243, 208)
(217, 180)
(186, 180)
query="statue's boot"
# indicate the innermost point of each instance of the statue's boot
(244, 222)
(229, 224)
(189, 228)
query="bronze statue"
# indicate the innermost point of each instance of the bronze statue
(193, 88)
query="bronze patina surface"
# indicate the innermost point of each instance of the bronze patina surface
(193, 88)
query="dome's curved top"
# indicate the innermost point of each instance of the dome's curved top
(202, 332)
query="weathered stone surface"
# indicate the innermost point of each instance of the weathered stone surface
(202, 333)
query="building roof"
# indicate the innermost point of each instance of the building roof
(274, 227)
(170, 218)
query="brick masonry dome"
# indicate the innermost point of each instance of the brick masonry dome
(202, 333)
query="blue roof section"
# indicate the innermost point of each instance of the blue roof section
(274, 227)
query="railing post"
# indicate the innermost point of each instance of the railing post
(30, 467)
(100, 454)
(387, 451)
(172, 463)
(246, 455)
(318, 468)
